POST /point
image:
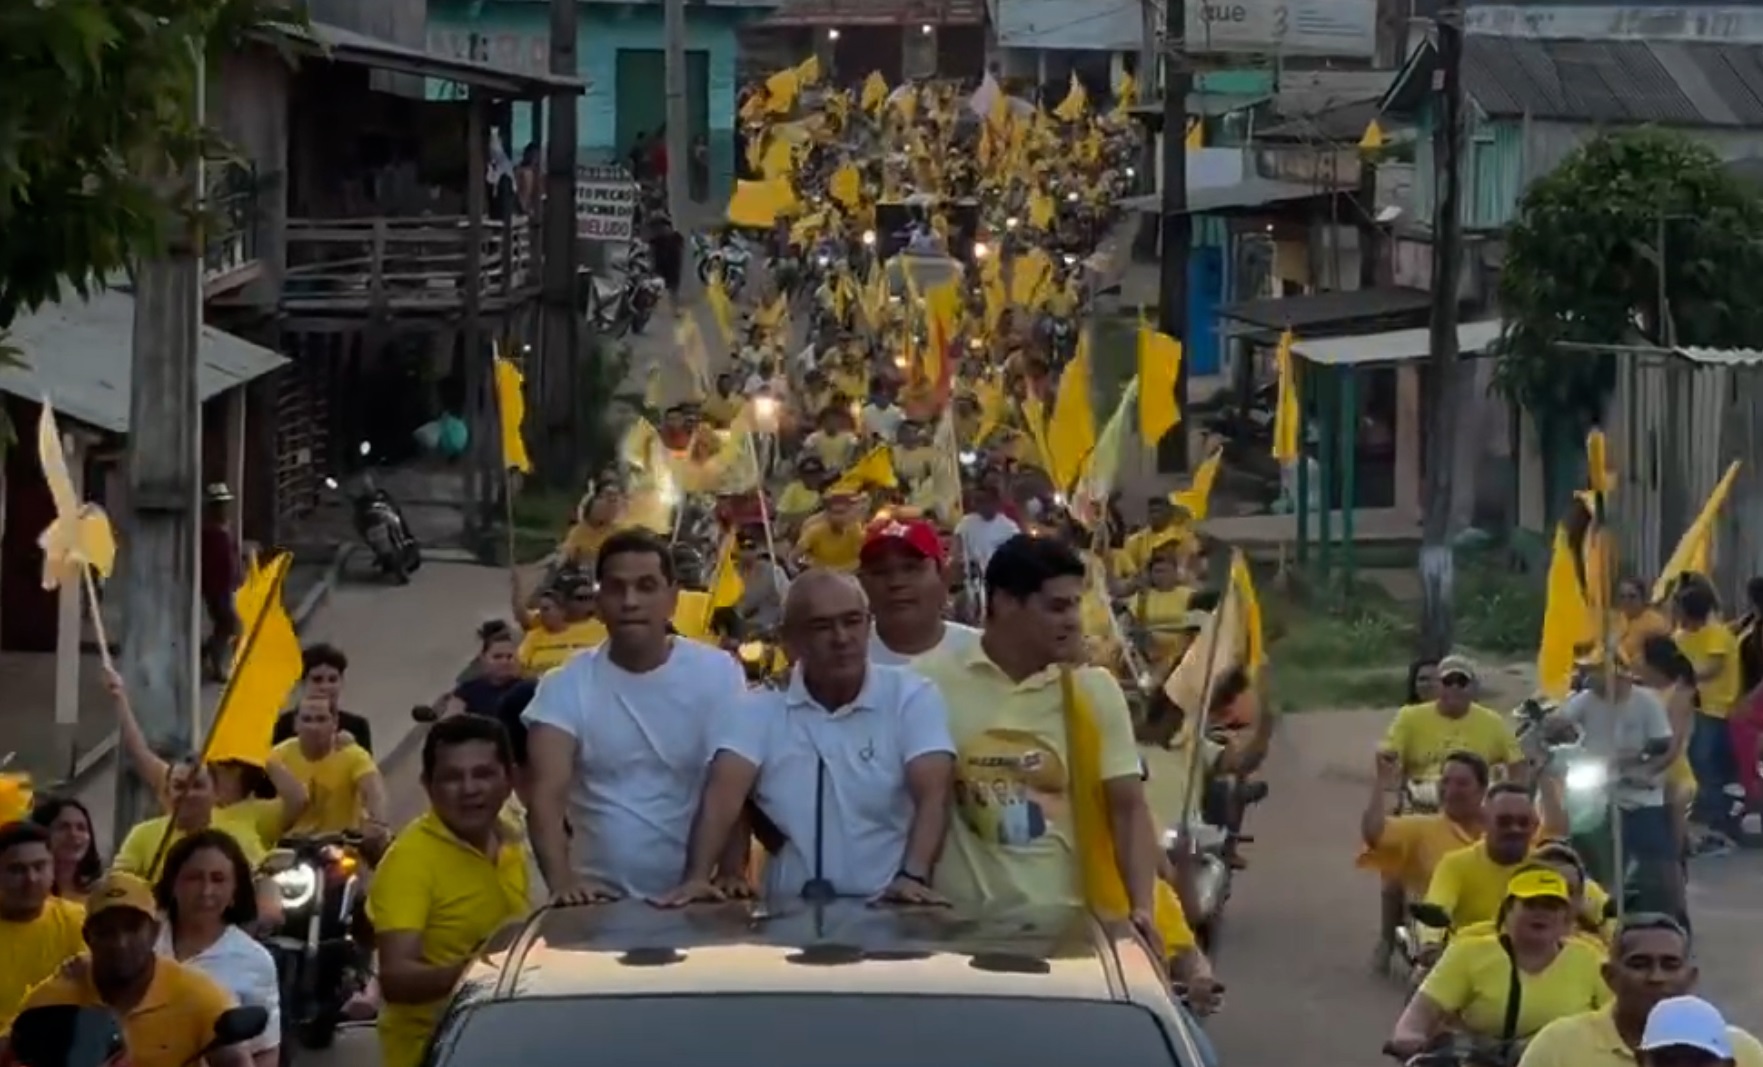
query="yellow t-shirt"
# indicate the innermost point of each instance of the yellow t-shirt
(140, 854)
(1469, 885)
(824, 546)
(1590, 1039)
(170, 1027)
(723, 409)
(333, 797)
(1632, 634)
(1422, 737)
(1161, 609)
(797, 500)
(30, 952)
(1473, 980)
(267, 815)
(432, 883)
(1412, 846)
(914, 465)
(541, 650)
(836, 450)
(1701, 647)
(1141, 545)
(583, 540)
(1010, 840)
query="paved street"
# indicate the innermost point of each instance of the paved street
(1294, 952)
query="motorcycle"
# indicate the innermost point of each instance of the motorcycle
(1214, 833)
(70, 1035)
(1586, 782)
(728, 261)
(617, 306)
(1413, 949)
(323, 947)
(381, 524)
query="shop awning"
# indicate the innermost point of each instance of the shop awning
(1393, 346)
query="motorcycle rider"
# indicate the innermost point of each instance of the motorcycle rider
(861, 747)
(1535, 960)
(1422, 735)
(1470, 883)
(1406, 849)
(168, 1009)
(1650, 971)
(619, 736)
(342, 781)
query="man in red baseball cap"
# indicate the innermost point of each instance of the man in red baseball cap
(904, 571)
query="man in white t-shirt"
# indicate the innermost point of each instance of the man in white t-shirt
(619, 736)
(852, 765)
(882, 416)
(980, 532)
(906, 576)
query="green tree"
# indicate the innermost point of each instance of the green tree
(1584, 264)
(99, 100)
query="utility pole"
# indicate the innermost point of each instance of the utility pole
(556, 382)
(1150, 51)
(1437, 570)
(159, 620)
(679, 135)
(1177, 235)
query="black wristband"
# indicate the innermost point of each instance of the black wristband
(910, 877)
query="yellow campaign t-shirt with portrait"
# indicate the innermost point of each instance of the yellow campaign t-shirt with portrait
(1011, 838)
(833, 549)
(31, 952)
(140, 853)
(171, 1026)
(1411, 846)
(541, 649)
(1590, 1039)
(433, 884)
(333, 796)
(1421, 737)
(1473, 980)
(1701, 647)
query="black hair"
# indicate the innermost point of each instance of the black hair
(243, 909)
(1695, 599)
(509, 710)
(493, 631)
(1503, 789)
(464, 730)
(1477, 766)
(1414, 669)
(1632, 582)
(635, 543)
(22, 832)
(91, 867)
(323, 655)
(1639, 922)
(1227, 687)
(1022, 565)
(1661, 653)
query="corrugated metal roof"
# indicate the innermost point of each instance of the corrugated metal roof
(1723, 357)
(1243, 196)
(80, 354)
(1393, 346)
(1065, 24)
(1324, 309)
(877, 13)
(1673, 83)
(344, 45)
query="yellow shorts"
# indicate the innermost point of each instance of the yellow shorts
(1680, 777)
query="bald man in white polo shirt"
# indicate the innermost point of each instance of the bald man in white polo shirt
(853, 764)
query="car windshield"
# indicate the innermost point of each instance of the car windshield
(802, 1030)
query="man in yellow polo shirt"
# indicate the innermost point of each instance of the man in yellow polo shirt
(834, 538)
(1422, 735)
(451, 879)
(1651, 973)
(1470, 883)
(168, 1010)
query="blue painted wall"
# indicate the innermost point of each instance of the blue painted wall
(603, 30)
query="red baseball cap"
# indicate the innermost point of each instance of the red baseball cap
(915, 534)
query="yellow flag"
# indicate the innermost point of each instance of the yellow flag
(874, 471)
(511, 412)
(808, 71)
(780, 91)
(1075, 104)
(1597, 463)
(16, 797)
(1098, 866)
(80, 534)
(691, 614)
(1089, 498)
(726, 586)
(1288, 413)
(758, 205)
(875, 91)
(846, 186)
(994, 406)
(1040, 210)
(1034, 417)
(1159, 373)
(778, 160)
(266, 668)
(1242, 585)
(1694, 553)
(1196, 135)
(1071, 431)
(1030, 275)
(1127, 94)
(1196, 499)
(1191, 685)
(1567, 621)
(722, 310)
(1373, 137)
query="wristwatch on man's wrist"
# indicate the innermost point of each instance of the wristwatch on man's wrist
(910, 877)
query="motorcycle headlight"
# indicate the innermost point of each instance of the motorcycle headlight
(823, 260)
(297, 886)
(1585, 776)
(869, 237)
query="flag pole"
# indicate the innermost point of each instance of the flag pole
(220, 708)
(91, 587)
(1196, 720)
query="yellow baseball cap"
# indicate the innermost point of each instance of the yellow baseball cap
(119, 889)
(1538, 884)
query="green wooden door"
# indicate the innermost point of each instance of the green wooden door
(641, 97)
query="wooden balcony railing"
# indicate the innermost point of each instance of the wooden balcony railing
(403, 264)
(229, 252)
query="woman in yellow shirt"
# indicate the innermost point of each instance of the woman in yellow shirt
(1470, 988)
(1668, 672)
(1636, 619)
(1713, 652)
(563, 624)
(342, 781)
(596, 519)
(1161, 610)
